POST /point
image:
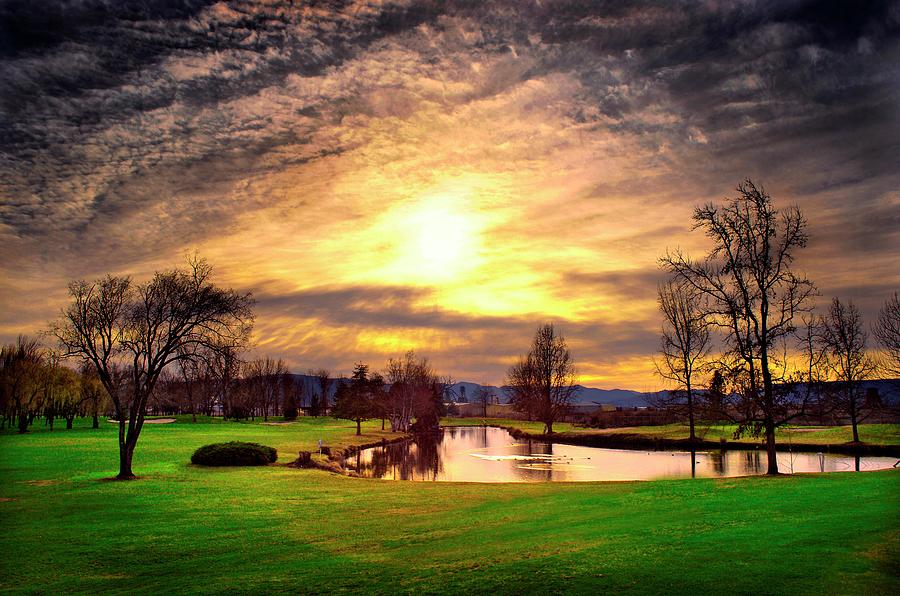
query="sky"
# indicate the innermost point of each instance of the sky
(439, 176)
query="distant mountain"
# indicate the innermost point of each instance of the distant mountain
(584, 395)
(888, 390)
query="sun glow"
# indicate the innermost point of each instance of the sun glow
(436, 239)
(442, 238)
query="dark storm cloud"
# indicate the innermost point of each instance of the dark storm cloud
(85, 93)
(748, 82)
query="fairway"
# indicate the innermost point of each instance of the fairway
(181, 528)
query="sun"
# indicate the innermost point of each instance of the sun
(435, 239)
(442, 239)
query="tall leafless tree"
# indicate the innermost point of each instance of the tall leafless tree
(887, 332)
(324, 383)
(543, 381)
(684, 343)
(753, 296)
(93, 396)
(224, 369)
(263, 380)
(484, 396)
(415, 391)
(114, 322)
(844, 340)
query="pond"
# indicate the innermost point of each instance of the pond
(488, 454)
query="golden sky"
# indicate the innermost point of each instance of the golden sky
(387, 176)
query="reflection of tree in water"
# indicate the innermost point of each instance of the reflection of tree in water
(419, 458)
(752, 462)
(428, 460)
(719, 462)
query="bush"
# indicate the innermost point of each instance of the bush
(235, 453)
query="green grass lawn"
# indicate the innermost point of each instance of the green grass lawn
(182, 528)
(882, 434)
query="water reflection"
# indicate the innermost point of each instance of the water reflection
(485, 454)
(412, 460)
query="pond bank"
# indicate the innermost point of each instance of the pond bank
(335, 456)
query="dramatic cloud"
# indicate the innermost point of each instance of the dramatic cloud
(439, 176)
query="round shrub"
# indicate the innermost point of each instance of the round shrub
(235, 453)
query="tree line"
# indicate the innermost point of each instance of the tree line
(35, 385)
(223, 383)
(409, 395)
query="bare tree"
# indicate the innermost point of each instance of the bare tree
(887, 332)
(93, 396)
(815, 374)
(224, 369)
(752, 296)
(543, 381)
(844, 341)
(684, 344)
(484, 397)
(263, 382)
(193, 369)
(114, 322)
(320, 396)
(415, 391)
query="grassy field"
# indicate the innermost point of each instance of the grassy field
(182, 528)
(880, 434)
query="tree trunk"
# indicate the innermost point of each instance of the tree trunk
(690, 404)
(769, 403)
(770, 448)
(69, 423)
(126, 449)
(126, 452)
(549, 427)
(96, 422)
(358, 426)
(23, 424)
